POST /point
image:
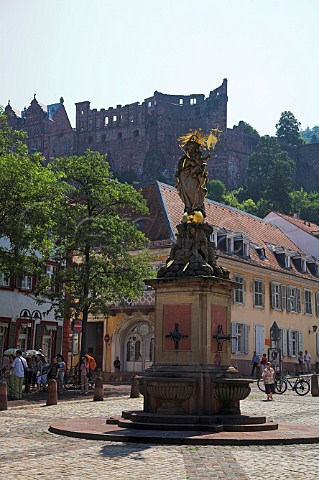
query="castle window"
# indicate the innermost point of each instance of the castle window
(106, 121)
(82, 112)
(90, 124)
(55, 148)
(90, 139)
(136, 133)
(181, 101)
(114, 118)
(65, 147)
(82, 126)
(103, 138)
(119, 135)
(192, 101)
(149, 104)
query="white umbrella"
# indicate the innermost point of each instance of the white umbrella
(10, 351)
(30, 353)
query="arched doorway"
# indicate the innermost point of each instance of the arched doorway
(139, 348)
(135, 342)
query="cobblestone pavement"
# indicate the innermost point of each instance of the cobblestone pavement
(29, 451)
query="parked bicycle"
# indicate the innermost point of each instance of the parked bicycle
(300, 385)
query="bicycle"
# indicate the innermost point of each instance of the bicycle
(301, 386)
(280, 385)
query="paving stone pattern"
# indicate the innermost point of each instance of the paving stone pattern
(29, 451)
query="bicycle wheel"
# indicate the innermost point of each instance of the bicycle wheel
(301, 387)
(280, 386)
(261, 385)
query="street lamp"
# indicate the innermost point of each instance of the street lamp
(314, 329)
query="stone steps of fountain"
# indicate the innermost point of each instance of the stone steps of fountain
(196, 427)
(144, 417)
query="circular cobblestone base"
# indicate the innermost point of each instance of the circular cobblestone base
(97, 429)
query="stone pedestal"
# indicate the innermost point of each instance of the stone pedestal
(188, 359)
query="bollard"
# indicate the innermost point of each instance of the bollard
(52, 397)
(314, 386)
(135, 390)
(3, 396)
(98, 391)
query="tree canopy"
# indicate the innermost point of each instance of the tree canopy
(288, 129)
(28, 195)
(94, 237)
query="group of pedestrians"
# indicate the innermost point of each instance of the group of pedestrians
(304, 362)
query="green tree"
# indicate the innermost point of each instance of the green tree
(310, 135)
(249, 129)
(270, 174)
(279, 183)
(216, 190)
(28, 194)
(288, 129)
(94, 238)
(260, 165)
(306, 204)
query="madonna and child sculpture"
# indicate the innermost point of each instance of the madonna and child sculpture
(193, 254)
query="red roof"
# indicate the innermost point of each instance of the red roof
(166, 210)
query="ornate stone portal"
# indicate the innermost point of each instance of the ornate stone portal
(191, 384)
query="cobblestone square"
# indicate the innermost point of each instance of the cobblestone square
(29, 451)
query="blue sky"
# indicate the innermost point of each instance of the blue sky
(119, 52)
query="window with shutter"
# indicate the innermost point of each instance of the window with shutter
(275, 296)
(246, 334)
(283, 297)
(258, 293)
(240, 343)
(317, 304)
(239, 291)
(284, 342)
(233, 340)
(290, 343)
(300, 346)
(259, 339)
(294, 342)
(308, 302)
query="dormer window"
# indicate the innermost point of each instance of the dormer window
(241, 244)
(303, 265)
(213, 238)
(229, 244)
(192, 101)
(287, 261)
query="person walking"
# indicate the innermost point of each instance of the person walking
(269, 380)
(117, 368)
(254, 362)
(300, 362)
(307, 361)
(84, 369)
(19, 367)
(61, 373)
